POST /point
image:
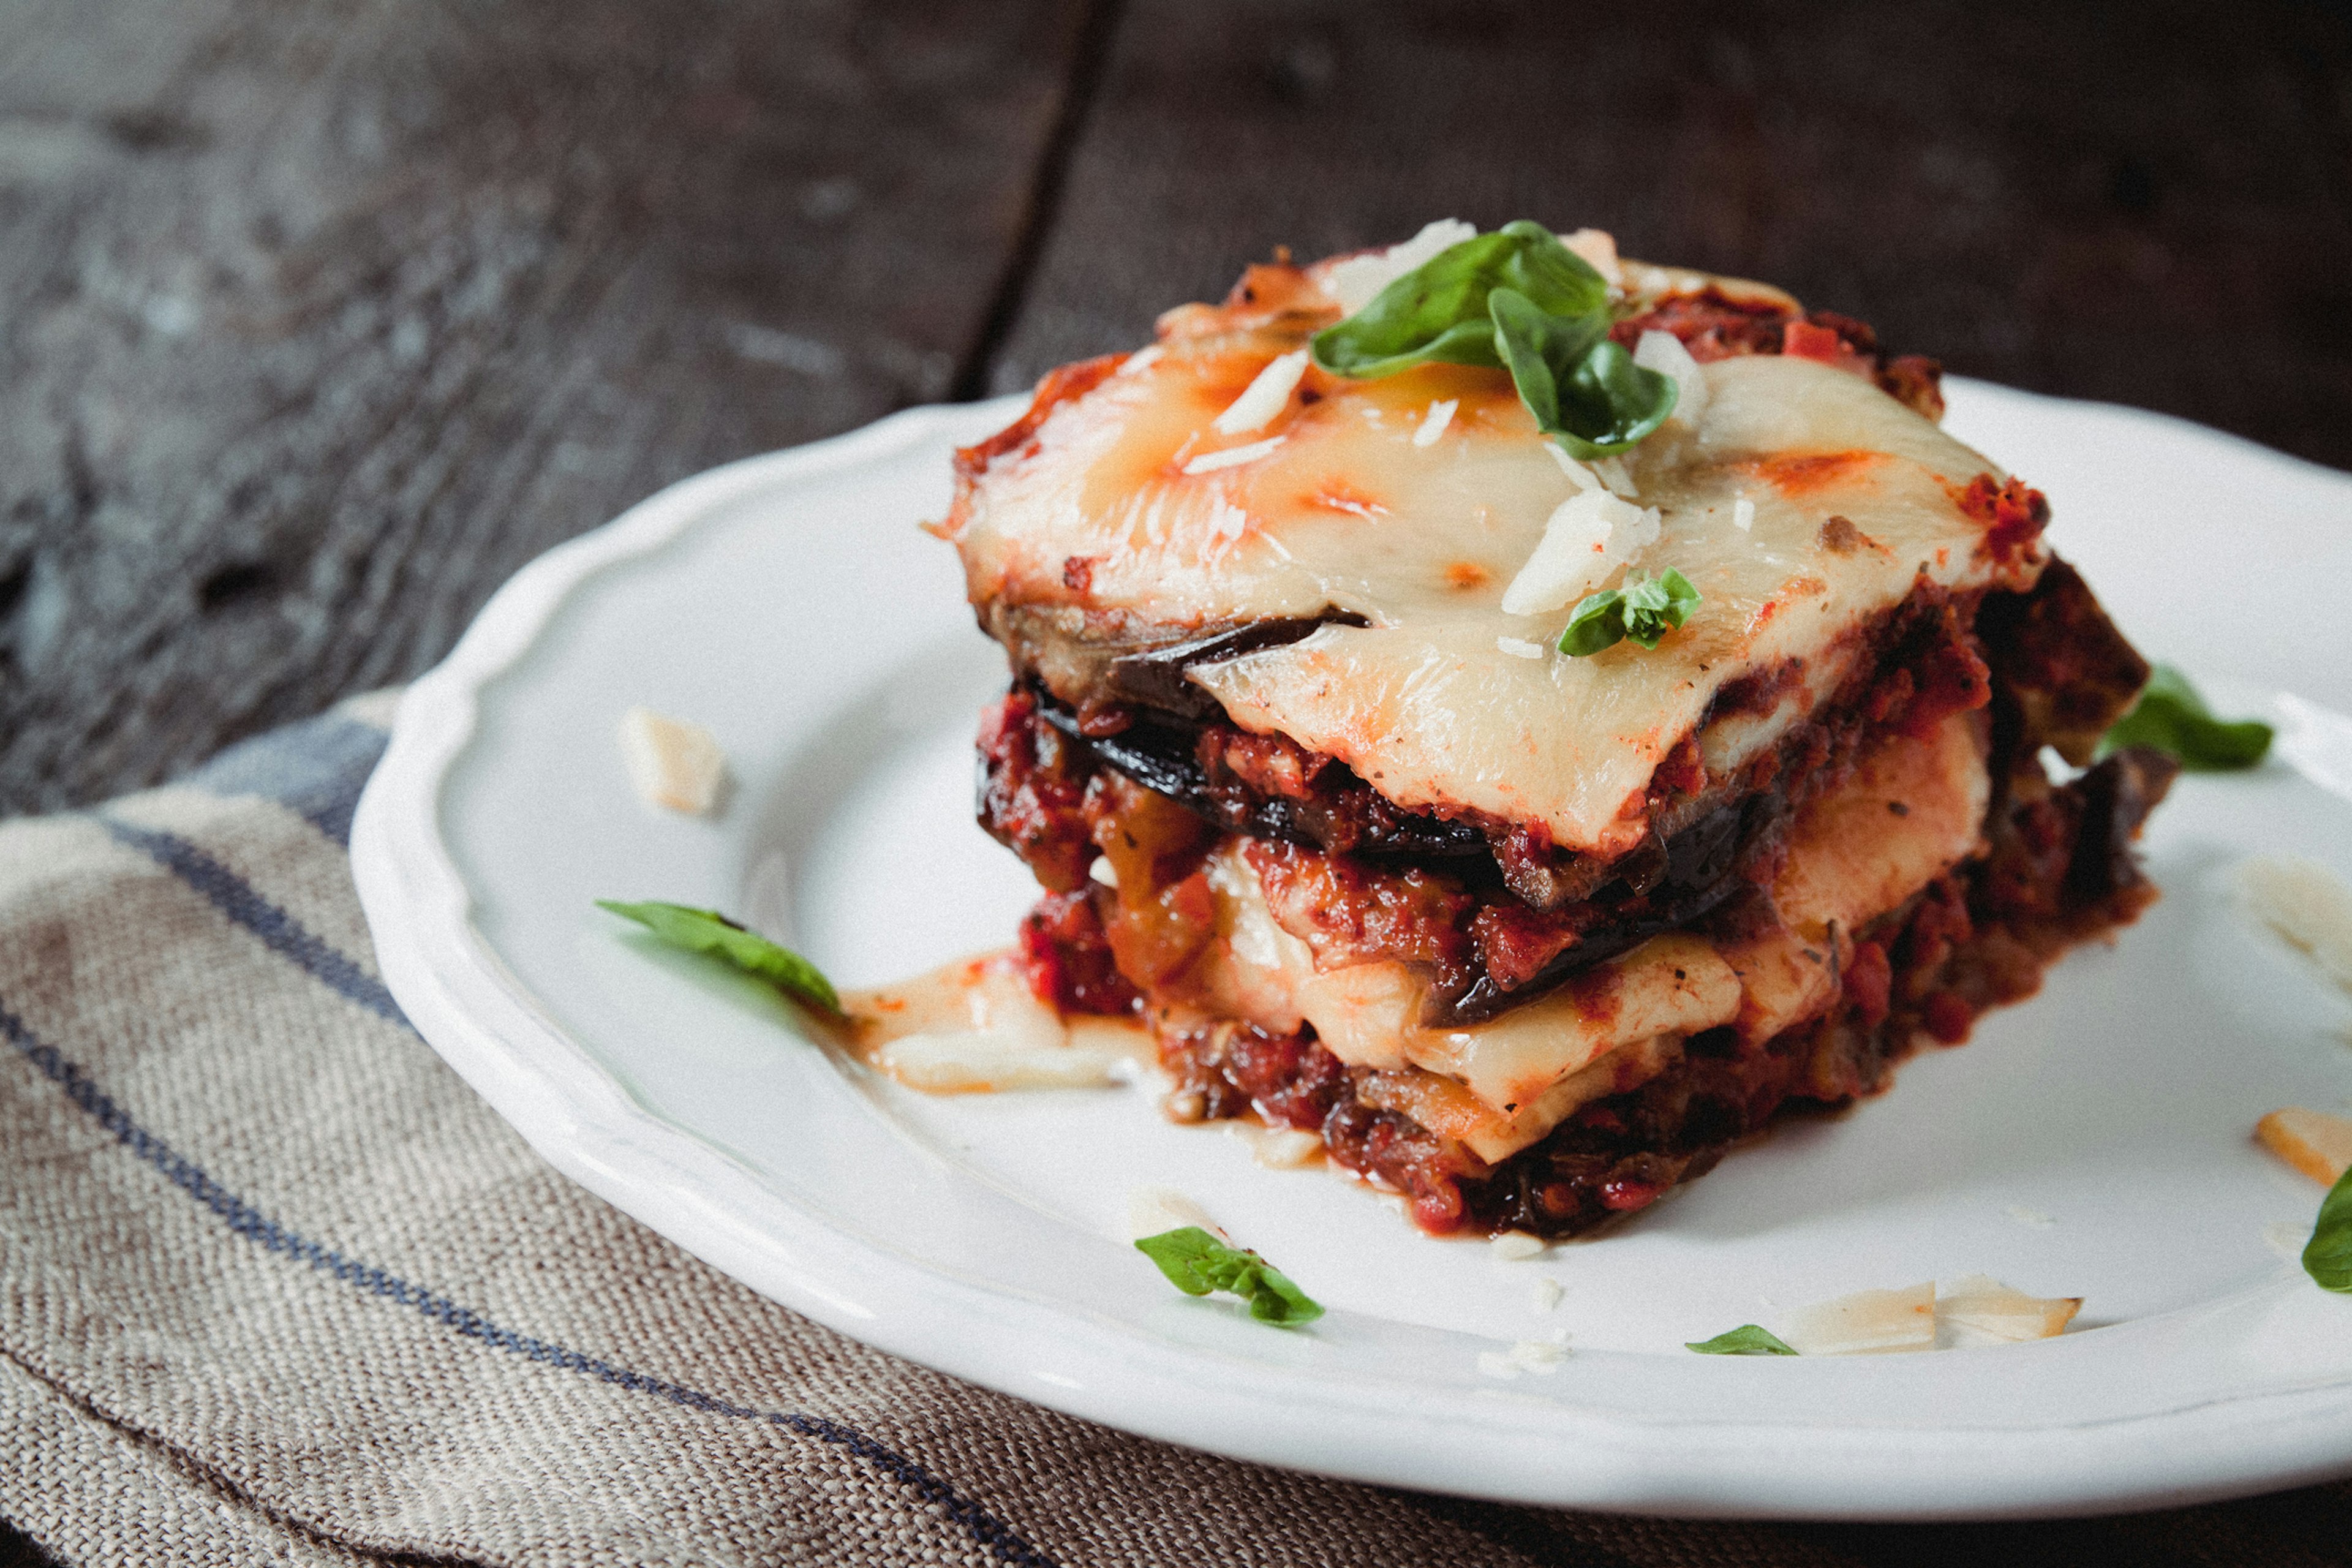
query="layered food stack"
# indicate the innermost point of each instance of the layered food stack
(1528, 717)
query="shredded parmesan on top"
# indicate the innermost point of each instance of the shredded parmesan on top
(1583, 478)
(1589, 536)
(1357, 280)
(1265, 397)
(1433, 423)
(1233, 456)
(1599, 247)
(1663, 353)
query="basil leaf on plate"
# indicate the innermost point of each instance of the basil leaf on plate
(1584, 390)
(1437, 313)
(708, 930)
(1197, 1263)
(2327, 1256)
(1748, 1339)
(2171, 717)
(1645, 609)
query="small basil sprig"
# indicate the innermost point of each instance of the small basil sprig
(1645, 609)
(708, 930)
(1746, 1340)
(1197, 1263)
(2327, 1256)
(1519, 299)
(2171, 717)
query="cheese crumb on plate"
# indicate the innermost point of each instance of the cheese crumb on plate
(672, 763)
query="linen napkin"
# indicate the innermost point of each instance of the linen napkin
(274, 1287)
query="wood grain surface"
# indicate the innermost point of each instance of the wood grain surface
(318, 320)
(2133, 203)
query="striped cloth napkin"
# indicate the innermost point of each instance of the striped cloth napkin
(276, 1288)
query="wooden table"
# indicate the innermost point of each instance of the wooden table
(319, 317)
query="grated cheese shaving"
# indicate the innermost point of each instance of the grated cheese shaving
(2312, 1141)
(1355, 281)
(2286, 1239)
(1433, 423)
(1546, 1294)
(1589, 536)
(984, 1061)
(1613, 474)
(2306, 904)
(1520, 648)
(1982, 1311)
(1516, 1247)
(1541, 1357)
(1583, 478)
(1265, 397)
(1664, 353)
(1743, 514)
(1233, 456)
(1599, 247)
(672, 763)
(1868, 1322)
(1277, 1148)
(1153, 1210)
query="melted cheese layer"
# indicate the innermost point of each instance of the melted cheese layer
(1909, 812)
(1127, 500)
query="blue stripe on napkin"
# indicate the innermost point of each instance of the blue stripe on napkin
(1004, 1543)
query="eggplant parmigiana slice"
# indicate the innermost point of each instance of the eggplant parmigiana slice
(1527, 937)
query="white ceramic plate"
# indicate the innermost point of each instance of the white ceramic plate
(2093, 1142)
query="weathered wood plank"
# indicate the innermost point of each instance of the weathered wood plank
(317, 318)
(2127, 203)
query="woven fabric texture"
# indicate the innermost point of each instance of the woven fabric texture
(274, 1287)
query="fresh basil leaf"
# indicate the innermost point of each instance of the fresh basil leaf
(708, 930)
(1584, 390)
(1746, 1340)
(1197, 1263)
(1599, 622)
(2171, 717)
(1610, 403)
(2327, 1256)
(1645, 609)
(1656, 605)
(1438, 311)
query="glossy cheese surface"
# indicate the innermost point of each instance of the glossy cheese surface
(1131, 502)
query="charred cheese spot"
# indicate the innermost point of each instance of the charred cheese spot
(1807, 473)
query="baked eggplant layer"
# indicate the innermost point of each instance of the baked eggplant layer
(1132, 555)
(1531, 938)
